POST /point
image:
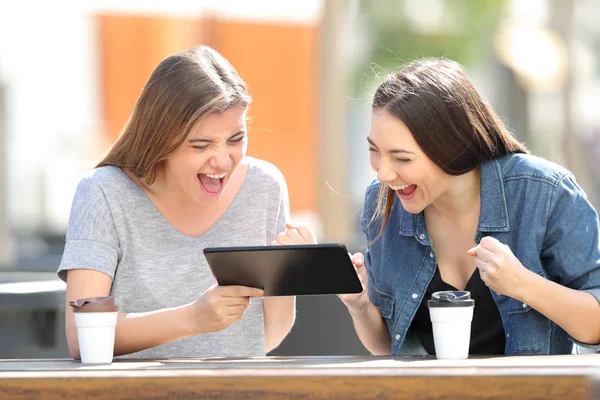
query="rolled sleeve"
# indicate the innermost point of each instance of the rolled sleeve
(571, 251)
(92, 241)
(88, 254)
(594, 292)
(572, 243)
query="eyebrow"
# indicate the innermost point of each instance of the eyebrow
(391, 151)
(205, 140)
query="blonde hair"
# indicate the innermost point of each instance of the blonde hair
(182, 90)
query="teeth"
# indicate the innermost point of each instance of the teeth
(216, 176)
(395, 187)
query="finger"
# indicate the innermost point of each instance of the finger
(308, 235)
(295, 236)
(228, 302)
(484, 277)
(282, 238)
(485, 254)
(364, 279)
(482, 265)
(355, 264)
(235, 310)
(360, 279)
(240, 291)
(236, 301)
(274, 243)
(489, 242)
(358, 260)
(473, 251)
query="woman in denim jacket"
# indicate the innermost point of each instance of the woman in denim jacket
(459, 204)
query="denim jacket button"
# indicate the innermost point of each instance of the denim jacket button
(415, 296)
(431, 254)
(524, 305)
(398, 336)
(422, 236)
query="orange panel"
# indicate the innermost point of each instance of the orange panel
(130, 48)
(279, 64)
(277, 61)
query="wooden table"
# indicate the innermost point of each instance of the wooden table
(355, 377)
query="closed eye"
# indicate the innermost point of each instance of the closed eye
(238, 140)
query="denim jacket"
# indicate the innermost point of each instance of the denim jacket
(530, 204)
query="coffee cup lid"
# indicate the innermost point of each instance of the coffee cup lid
(94, 304)
(451, 298)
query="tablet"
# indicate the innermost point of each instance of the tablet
(289, 270)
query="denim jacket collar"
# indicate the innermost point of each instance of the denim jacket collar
(493, 215)
(494, 212)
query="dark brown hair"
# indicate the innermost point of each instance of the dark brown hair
(450, 121)
(183, 89)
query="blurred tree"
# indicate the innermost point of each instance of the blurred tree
(401, 31)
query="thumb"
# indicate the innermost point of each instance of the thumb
(473, 251)
(358, 259)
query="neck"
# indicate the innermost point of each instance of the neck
(461, 199)
(170, 196)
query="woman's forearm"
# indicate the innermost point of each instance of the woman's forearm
(140, 331)
(576, 311)
(372, 330)
(280, 313)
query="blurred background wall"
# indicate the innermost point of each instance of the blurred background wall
(70, 73)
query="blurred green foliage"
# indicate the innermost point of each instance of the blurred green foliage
(403, 30)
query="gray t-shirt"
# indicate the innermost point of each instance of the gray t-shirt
(115, 228)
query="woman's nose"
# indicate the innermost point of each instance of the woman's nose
(222, 159)
(385, 173)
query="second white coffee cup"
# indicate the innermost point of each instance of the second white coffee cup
(451, 315)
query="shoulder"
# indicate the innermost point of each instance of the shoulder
(103, 176)
(373, 188)
(372, 192)
(264, 174)
(95, 195)
(371, 201)
(529, 167)
(108, 181)
(521, 172)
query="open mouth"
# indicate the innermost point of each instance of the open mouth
(404, 191)
(212, 183)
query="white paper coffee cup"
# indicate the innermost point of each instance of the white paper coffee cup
(451, 315)
(96, 321)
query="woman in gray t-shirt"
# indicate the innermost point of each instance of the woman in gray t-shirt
(176, 181)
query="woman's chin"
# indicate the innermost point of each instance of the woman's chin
(412, 207)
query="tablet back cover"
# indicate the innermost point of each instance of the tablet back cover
(286, 270)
